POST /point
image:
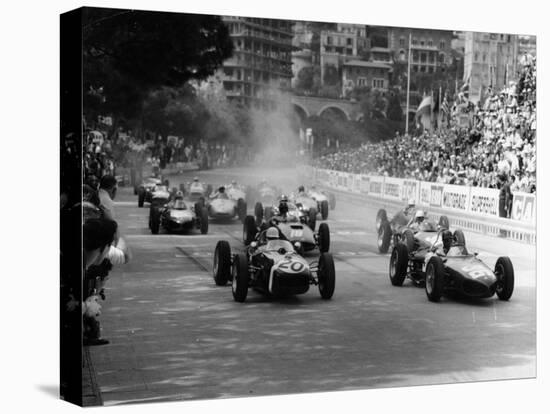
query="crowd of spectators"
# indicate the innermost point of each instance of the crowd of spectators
(498, 146)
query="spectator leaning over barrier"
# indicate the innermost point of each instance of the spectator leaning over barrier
(107, 193)
(98, 234)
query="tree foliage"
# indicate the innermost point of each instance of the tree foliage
(129, 53)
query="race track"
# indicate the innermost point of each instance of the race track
(175, 335)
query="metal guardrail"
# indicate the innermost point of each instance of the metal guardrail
(490, 226)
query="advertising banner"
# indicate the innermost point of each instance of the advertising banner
(376, 184)
(455, 197)
(410, 190)
(484, 201)
(523, 207)
(431, 194)
(392, 188)
(365, 182)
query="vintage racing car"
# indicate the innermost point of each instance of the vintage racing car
(272, 267)
(147, 187)
(391, 232)
(196, 190)
(292, 229)
(176, 215)
(307, 217)
(314, 199)
(455, 270)
(222, 206)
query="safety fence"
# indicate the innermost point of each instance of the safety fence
(473, 208)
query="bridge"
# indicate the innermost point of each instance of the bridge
(306, 106)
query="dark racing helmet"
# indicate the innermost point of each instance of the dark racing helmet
(283, 205)
(301, 189)
(447, 238)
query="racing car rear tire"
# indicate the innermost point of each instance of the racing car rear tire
(332, 201)
(408, 238)
(324, 238)
(241, 209)
(141, 197)
(459, 237)
(198, 209)
(222, 263)
(249, 230)
(204, 221)
(326, 275)
(381, 217)
(155, 222)
(324, 209)
(240, 277)
(504, 270)
(398, 264)
(312, 219)
(259, 211)
(444, 222)
(384, 237)
(434, 279)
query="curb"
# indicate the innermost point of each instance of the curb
(91, 394)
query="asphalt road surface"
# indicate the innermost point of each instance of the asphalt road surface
(175, 335)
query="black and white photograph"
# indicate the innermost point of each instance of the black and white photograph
(257, 205)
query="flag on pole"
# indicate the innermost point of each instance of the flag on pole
(425, 106)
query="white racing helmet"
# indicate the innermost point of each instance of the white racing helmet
(411, 202)
(419, 215)
(272, 233)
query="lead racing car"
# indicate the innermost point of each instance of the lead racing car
(446, 266)
(272, 267)
(292, 229)
(147, 187)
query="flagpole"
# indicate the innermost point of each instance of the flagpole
(408, 85)
(439, 111)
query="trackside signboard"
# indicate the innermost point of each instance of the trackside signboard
(478, 201)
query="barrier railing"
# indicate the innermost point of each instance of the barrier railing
(471, 208)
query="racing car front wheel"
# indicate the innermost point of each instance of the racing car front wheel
(381, 217)
(398, 264)
(434, 279)
(408, 239)
(141, 197)
(326, 275)
(504, 271)
(324, 238)
(384, 237)
(222, 263)
(155, 222)
(204, 221)
(240, 278)
(444, 222)
(249, 230)
(312, 220)
(324, 209)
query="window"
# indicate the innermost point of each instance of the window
(378, 83)
(402, 42)
(329, 40)
(415, 68)
(476, 56)
(422, 68)
(442, 44)
(348, 40)
(422, 42)
(430, 43)
(430, 69)
(362, 81)
(423, 57)
(414, 41)
(484, 57)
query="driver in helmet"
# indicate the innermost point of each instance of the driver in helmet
(409, 208)
(417, 220)
(220, 193)
(301, 190)
(195, 179)
(274, 242)
(283, 206)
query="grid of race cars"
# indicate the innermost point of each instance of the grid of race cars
(283, 228)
